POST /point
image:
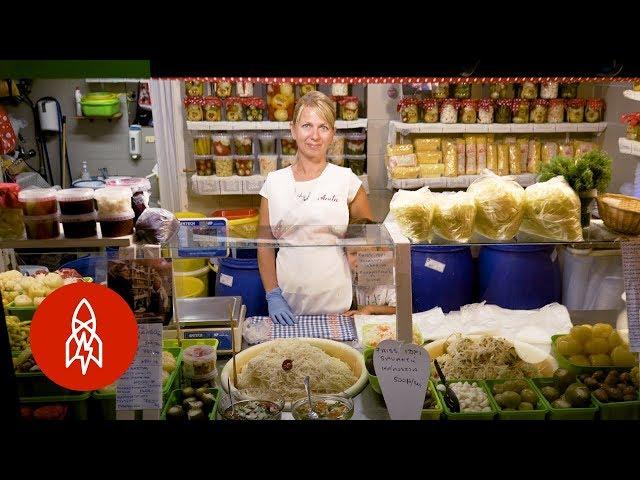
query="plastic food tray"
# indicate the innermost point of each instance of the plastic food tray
(78, 405)
(539, 413)
(563, 362)
(175, 394)
(586, 413)
(25, 314)
(470, 415)
(618, 410)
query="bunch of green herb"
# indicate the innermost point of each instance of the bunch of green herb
(588, 171)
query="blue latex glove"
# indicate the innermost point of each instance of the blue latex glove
(279, 309)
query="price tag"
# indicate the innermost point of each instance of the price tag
(631, 273)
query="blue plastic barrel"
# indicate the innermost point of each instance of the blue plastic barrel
(441, 276)
(241, 277)
(519, 276)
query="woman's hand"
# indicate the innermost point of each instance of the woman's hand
(366, 310)
(279, 309)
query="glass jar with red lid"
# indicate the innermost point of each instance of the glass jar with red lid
(539, 109)
(193, 109)
(254, 108)
(485, 111)
(212, 109)
(468, 111)
(555, 112)
(575, 110)
(430, 110)
(280, 101)
(348, 108)
(408, 108)
(520, 110)
(503, 111)
(233, 107)
(449, 110)
(594, 110)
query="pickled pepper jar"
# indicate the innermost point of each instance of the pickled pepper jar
(568, 90)
(462, 90)
(633, 125)
(254, 108)
(503, 111)
(575, 110)
(468, 113)
(430, 110)
(538, 113)
(449, 111)
(212, 107)
(594, 111)
(193, 109)
(408, 108)
(555, 113)
(440, 90)
(485, 111)
(234, 111)
(520, 109)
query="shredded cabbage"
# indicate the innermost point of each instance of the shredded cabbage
(414, 212)
(454, 215)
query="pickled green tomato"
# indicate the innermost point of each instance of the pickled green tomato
(568, 346)
(581, 333)
(602, 330)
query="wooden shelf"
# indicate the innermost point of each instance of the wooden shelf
(266, 125)
(62, 242)
(632, 94)
(92, 118)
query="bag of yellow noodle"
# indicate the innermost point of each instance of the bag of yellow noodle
(454, 215)
(413, 211)
(499, 206)
(552, 210)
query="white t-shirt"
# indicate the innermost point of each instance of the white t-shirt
(313, 279)
(378, 295)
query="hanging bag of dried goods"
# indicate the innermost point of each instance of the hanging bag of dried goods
(454, 215)
(515, 159)
(492, 157)
(549, 150)
(461, 149)
(481, 152)
(499, 206)
(552, 210)
(503, 159)
(413, 211)
(408, 108)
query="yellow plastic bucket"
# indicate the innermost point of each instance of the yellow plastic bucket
(189, 264)
(189, 287)
(243, 222)
(201, 274)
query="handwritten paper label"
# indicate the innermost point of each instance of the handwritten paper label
(403, 373)
(435, 265)
(631, 273)
(375, 268)
(226, 280)
(140, 387)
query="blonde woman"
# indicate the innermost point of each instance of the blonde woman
(309, 202)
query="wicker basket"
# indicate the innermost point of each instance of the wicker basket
(620, 212)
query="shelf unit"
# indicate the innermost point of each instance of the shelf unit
(62, 242)
(461, 181)
(632, 94)
(92, 118)
(266, 125)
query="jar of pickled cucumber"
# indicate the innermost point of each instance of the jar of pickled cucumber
(348, 108)
(193, 109)
(555, 112)
(539, 109)
(462, 90)
(468, 111)
(288, 145)
(212, 107)
(485, 111)
(202, 144)
(575, 110)
(520, 109)
(440, 90)
(503, 111)
(568, 90)
(549, 90)
(280, 101)
(430, 110)
(223, 89)
(193, 88)
(449, 111)
(408, 108)
(528, 90)
(254, 108)
(234, 111)
(594, 110)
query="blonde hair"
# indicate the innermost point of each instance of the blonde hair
(323, 105)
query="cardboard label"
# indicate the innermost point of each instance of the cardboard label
(631, 273)
(435, 265)
(403, 373)
(375, 268)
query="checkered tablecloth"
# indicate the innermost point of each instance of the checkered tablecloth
(333, 327)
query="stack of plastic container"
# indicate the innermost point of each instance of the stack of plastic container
(140, 192)
(40, 209)
(114, 211)
(78, 215)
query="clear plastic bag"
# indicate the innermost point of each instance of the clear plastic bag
(156, 225)
(413, 211)
(454, 215)
(257, 330)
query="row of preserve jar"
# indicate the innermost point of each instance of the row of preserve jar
(246, 165)
(198, 88)
(431, 110)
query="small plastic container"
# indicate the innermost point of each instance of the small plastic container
(243, 143)
(268, 164)
(462, 90)
(223, 89)
(193, 88)
(202, 144)
(538, 413)
(254, 108)
(140, 191)
(116, 224)
(355, 143)
(449, 111)
(327, 407)
(356, 163)
(212, 109)
(503, 111)
(520, 109)
(224, 166)
(539, 109)
(468, 415)
(193, 109)
(199, 362)
(280, 101)
(349, 108)
(112, 200)
(244, 165)
(430, 110)
(79, 226)
(336, 159)
(287, 160)
(204, 165)
(175, 398)
(288, 145)
(594, 111)
(38, 201)
(68, 407)
(337, 145)
(234, 109)
(569, 90)
(9, 195)
(485, 111)
(575, 110)
(221, 143)
(408, 108)
(267, 143)
(549, 90)
(586, 413)
(340, 89)
(11, 224)
(41, 227)
(468, 112)
(440, 90)
(555, 113)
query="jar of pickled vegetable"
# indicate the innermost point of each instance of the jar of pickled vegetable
(575, 110)
(539, 109)
(356, 163)
(440, 90)
(555, 112)
(201, 145)
(244, 89)
(468, 112)
(636, 87)
(355, 143)
(494, 90)
(408, 108)
(233, 107)
(224, 166)
(193, 109)
(204, 164)
(193, 88)
(223, 89)
(462, 90)
(307, 87)
(449, 111)
(244, 165)
(485, 111)
(549, 90)
(633, 132)
(503, 111)
(243, 143)
(430, 110)
(212, 109)
(633, 125)
(280, 101)
(528, 91)
(221, 144)
(288, 145)
(349, 108)
(594, 111)
(520, 109)
(568, 90)
(254, 108)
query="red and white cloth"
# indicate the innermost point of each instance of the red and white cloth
(8, 140)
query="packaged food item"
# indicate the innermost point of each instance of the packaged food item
(633, 125)
(549, 150)
(199, 362)
(75, 201)
(575, 110)
(565, 150)
(520, 108)
(156, 226)
(349, 108)
(633, 132)
(468, 113)
(193, 88)
(254, 109)
(399, 149)
(481, 153)
(405, 172)
(244, 89)
(470, 154)
(509, 139)
(555, 112)
(538, 112)
(503, 159)
(552, 210)
(462, 90)
(431, 170)
(243, 143)
(594, 111)
(268, 164)
(42, 227)
(204, 164)
(287, 160)
(11, 224)
(450, 158)
(354, 144)
(568, 90)
(549, 90)
(140, 191)
(267, 143)
(636, 86)
(523, 145)
(534, 157)
(224, 166)
(113, 200)
(221, 144)
(427, 144)
(485, 111)
(234, 109)
(38, 201)
(461, 147)
(337, 145)
(193, 109)
(336, 159)
(201, 144)
(340, 89)
(307, 87)
(503, 111)
(501, 91)
(408, 108)
(430, 110)
(528, 91)
(212, 107)
(449, 111)
(429, 157)
(79, 226)
(288, 145)
(409, 160)
(356, 163)
(440, 90)
(515, 159)
(244, 165)
(223, 89)
(116, 224)
(413, 210)
(280, 101)
(454, 215)
(10, 195)
(492, 157)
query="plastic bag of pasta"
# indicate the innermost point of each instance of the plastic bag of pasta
(499, 206)
(454, 215)
(413, 211)
(552, 210)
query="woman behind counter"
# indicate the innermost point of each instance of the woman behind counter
(310, 193)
